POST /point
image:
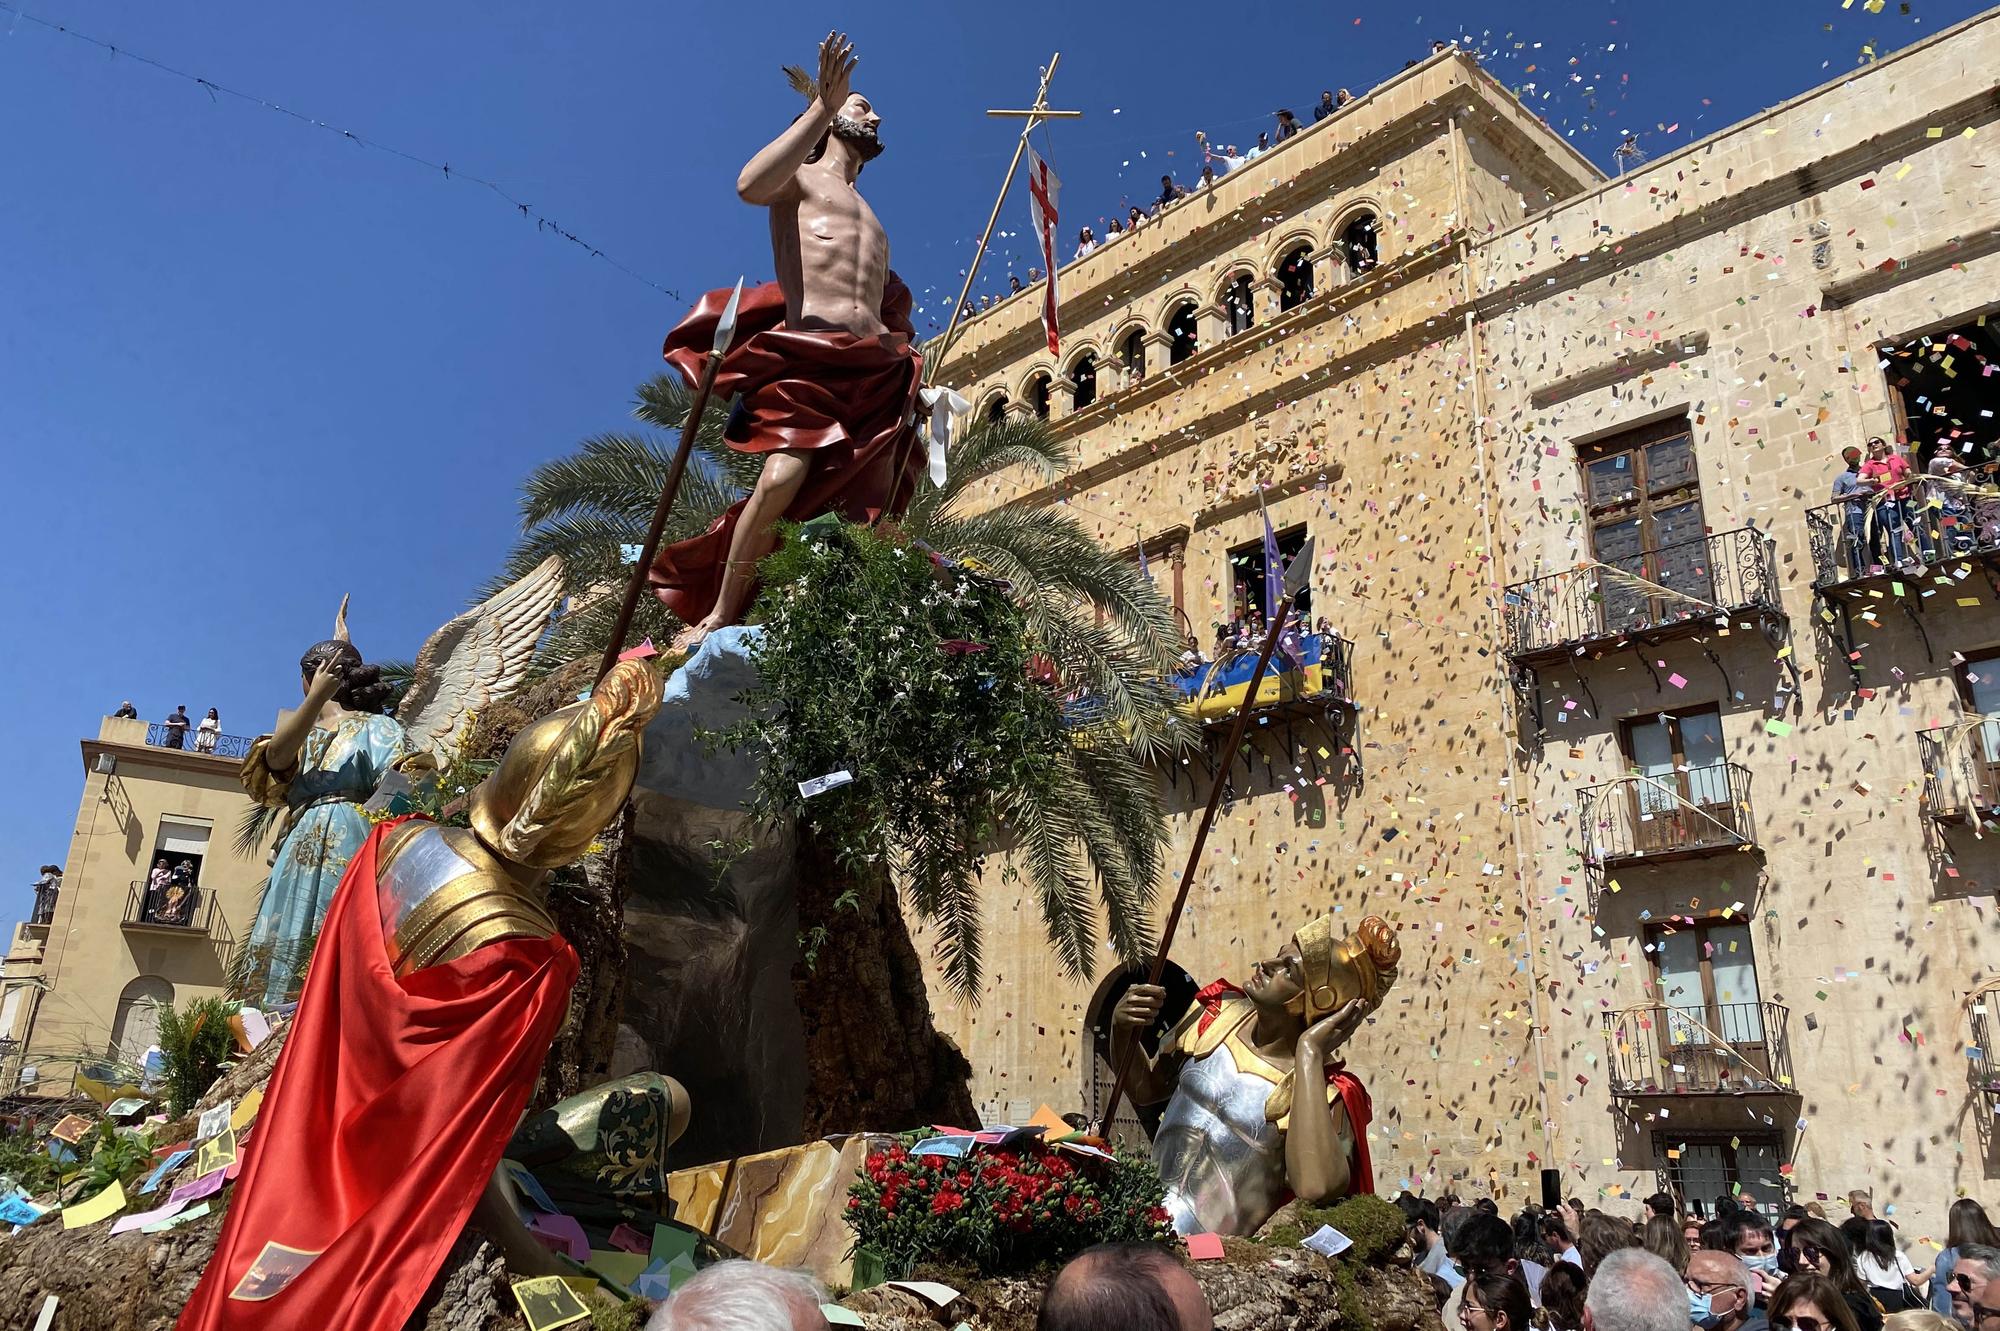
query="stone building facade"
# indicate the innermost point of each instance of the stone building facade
(81, 987)
(1621, 743)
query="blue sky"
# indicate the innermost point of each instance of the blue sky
(247, 366)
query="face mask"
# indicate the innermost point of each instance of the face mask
(1765, 1262)
(1701, 1310)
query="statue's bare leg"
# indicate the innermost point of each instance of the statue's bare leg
(756, 532)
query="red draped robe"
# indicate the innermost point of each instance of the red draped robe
(1353, 1095)
(389, 1108)
(848, 403)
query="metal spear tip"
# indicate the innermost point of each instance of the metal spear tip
(1299, 571)
(725, 328)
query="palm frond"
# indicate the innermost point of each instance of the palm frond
(254, 828)
(985, 450)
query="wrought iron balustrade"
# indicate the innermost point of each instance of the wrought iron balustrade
(1933, 522)
(163, 736)
(192, 912)
(1715, 1049)
(1730, 571)
(1985, 1065)
(1961, 769)
(1691, 811)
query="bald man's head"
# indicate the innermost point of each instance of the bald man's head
(1727, 1282)
(1124, 1287)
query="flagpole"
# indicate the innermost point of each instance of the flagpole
(1035, 115)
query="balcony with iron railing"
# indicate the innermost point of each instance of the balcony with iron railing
(1984, 1060)
(160, 735)
(1961, 770)
(190, 911)
(1681, 814)
(1934, 521)
(1716, 1049)
(1673, 591)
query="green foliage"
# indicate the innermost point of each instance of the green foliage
(1377, 1227)
(195, 1041)
(25, 1159)
(998, 1211)
(1089, 824)
(118, 1157)
(916, 679)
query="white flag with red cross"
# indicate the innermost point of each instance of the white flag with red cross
(1042, 189)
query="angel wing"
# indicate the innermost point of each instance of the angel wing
(476, 658)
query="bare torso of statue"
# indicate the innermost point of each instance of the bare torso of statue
(831, 252)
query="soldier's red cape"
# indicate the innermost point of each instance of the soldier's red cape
(847, 402)
(1353, 1095)
(390, 1105)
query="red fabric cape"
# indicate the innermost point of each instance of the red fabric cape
(1353, 1095)
(390, 1105)
(847, 402)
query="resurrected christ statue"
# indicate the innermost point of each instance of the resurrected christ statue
(822, 369)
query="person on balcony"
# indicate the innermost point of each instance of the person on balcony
(1950, 514)
(1852, 491)
(1889, 472)
(208, 732)
(126, 711)
(156, 888)
(177, 728)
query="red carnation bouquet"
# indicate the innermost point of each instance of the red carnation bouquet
(999, 1210)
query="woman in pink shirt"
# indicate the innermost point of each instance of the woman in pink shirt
(1889, 471)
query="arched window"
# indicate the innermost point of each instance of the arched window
(1084, 375)
(1038, 396)
(1132, 352)
(1181, 328)
(136, 1026)
(1239, 303)
(1295, 278)
(1357, 244)
(1132, 1119)
(996, 410)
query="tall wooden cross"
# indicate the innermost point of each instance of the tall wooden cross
(1029, 118)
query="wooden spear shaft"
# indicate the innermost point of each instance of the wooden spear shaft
(637, 582)
(1237, 725)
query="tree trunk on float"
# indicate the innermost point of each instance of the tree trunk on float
(874, 1060)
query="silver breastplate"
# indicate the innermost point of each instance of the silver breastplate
(1223, 1164)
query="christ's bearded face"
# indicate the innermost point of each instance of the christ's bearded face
(857, 125)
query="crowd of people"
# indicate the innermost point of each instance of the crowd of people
(1216, 161)
(1572, 1268)
(174, 730)
(1580, 1269)
(1892, 517)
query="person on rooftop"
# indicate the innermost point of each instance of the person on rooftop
(1086, 241)
(1288, 125)
(1169, 191)
(1327, 106)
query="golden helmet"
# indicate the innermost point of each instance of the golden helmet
(1362, 965)
(564, 777)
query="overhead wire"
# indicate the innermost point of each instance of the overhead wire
(217, 91)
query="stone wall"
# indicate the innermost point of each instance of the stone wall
(1422, 419)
